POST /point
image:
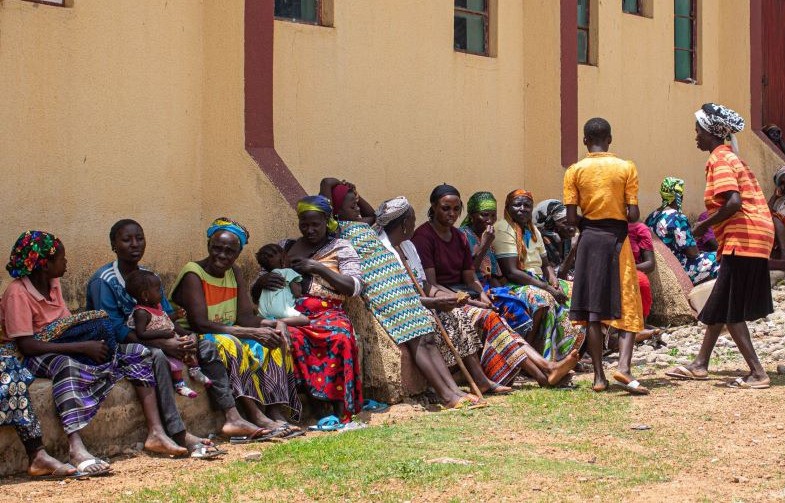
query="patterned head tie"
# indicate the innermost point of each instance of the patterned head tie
(548, 212)
(672, 190)
(229, 225)
(390, 210)
(522, 236)
(779, 176)
(31, 252)
(721, 122)
(319, 204)
(480, 201)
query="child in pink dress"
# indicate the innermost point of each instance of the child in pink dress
(149, 321)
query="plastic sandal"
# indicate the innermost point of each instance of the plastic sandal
(329, 423)
(374, 406)
(202, 451)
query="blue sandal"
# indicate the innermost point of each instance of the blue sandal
(374, 406)
(329, 423)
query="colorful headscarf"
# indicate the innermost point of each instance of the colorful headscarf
(390, 210)
(721, 122)
(778, 176)
(480, 201)
(338, 195)
(547, 213)
(322, 205)
(31, 252)
(522, 236)
(672, 190)
(229, 225)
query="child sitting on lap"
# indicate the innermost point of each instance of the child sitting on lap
(279, 304)
(149, 321)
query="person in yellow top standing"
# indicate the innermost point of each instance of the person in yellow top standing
(605, 289)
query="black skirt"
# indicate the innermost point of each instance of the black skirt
(742, 292)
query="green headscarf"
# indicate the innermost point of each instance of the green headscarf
(672, 189)
(480, 201)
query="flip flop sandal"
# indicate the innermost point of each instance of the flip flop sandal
(495, 386)
(329, 423)
(291, 432)
(202, 451)
(740, 383)
(466, 403)
(61, 473)
(374, 406)
(259, 436)
(84, 465)
(631, 386)
(685, 374)
(352, 425)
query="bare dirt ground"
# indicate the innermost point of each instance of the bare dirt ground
(727, 445)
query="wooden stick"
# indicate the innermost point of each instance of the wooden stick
(443, 332)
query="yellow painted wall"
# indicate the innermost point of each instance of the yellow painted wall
(652, 115)
(127, 109)
(382, 99)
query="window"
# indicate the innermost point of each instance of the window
(684, 40)
(471, 26)
(60, 3)
(631, 6)
(304, 11)
(583, 31)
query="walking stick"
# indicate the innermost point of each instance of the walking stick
(445, 337)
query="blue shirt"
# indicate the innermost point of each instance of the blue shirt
(106, 290)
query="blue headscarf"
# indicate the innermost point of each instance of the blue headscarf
(229, 225)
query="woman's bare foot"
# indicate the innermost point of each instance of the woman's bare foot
(192, 441)
(43, 464)
(162, 444)
(560, 369)
(646, 334)
(83, 456)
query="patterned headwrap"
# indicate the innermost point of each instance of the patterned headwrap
(721, 122)
(672, 189)
(778, 176)
(227, 224)
(322, 205)
(480, 201)
(31, 252)
(390, 210)
(547, 213)
(522, 236)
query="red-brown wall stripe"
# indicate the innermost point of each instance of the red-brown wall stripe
(569, 82)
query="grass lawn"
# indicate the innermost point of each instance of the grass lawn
(535, 444)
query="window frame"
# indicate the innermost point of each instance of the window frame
(638, 8)
(486, 15)
(587, 30)
(319, 16)
(53, 3)
(693, 50)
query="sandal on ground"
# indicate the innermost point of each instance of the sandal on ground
(61, 473)
(466, 403)
(683, 373)
(374, 406)
(352, 425)
(498, 389)
(260, 435)
(203, 451)
(630, 385)
(329, 423)
(740, 383)
(291, 431)
(87, 463)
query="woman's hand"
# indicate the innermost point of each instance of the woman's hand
(267, 337)
(700, 229)
(488, 235)
(97, 351)
(446, 304)
(557, 294)
(283, 329)
(271, 281)
(305, 265)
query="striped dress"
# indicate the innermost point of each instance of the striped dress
(254, 371)
(388, 292)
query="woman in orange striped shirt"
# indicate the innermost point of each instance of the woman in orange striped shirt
(739, 214)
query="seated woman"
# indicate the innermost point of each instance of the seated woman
(106, 291)
(392, 300)
(480, 233)
(531, 284)
(672, 227)
(76, 352)
(215, 297)
(396, 219)
(16, 380)
(325, 352)
(559, 238)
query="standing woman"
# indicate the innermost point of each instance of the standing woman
(740, 216)
(215, 297)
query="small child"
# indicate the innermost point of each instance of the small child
(149, 321)
(279, 304)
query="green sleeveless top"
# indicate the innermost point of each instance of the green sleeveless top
(220, 294)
